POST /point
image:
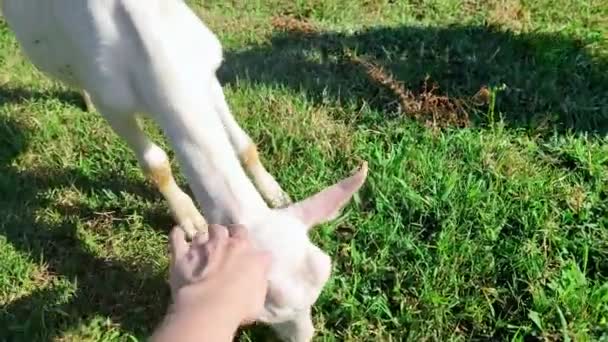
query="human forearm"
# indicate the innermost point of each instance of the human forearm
(207, 323)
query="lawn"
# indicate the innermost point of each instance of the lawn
(485, 214)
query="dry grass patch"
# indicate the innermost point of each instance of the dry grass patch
(511, 14)
(424, 103)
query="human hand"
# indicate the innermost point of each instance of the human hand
(226, 270)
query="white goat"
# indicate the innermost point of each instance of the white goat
(157, 57)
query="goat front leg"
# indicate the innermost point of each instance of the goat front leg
(299, 329)
(157, 168)
(155, 163)
(266, 184)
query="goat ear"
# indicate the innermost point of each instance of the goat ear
(327, 204)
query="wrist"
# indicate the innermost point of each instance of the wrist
(200, 299)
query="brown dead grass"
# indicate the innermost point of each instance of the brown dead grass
(511, 14)
(424, 104)
(101, 222)
(576, 199)
(248, 29)
(294, 25)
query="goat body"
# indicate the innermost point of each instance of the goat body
(157, 58)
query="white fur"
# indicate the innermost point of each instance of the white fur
(156, 57)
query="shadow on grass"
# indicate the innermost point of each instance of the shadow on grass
(552, 80)
(18, 95)
(132, 297)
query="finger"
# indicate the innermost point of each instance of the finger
(177, 243)
(214, 250)
(201, 264)
(218, 233)
(188, 229)
(200, 238)
(238, 231)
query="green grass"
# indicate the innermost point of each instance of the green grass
(497, 231)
